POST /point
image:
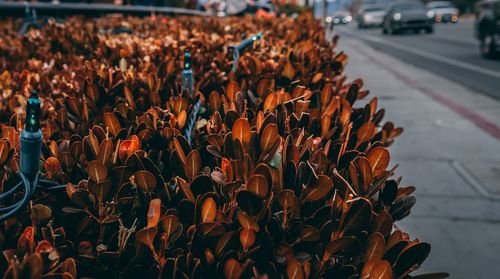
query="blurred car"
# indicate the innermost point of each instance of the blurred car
(371, 16)
(256, 6)
(487, 27)
(444, 11)
(407, 15)
(339, 17)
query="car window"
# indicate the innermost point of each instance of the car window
(373, 9)
(443, 6)
(405, 7)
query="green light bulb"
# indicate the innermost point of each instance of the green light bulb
(33, 113)
(187, 60)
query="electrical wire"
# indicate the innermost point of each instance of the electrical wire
(30, 187)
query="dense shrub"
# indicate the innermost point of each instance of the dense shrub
(282, 175)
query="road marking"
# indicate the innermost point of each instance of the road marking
(478, 120)
(472, 181)
(431, 56)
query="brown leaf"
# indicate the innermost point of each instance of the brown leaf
(337, 245)
(105, 151)
(101, 189)
(258, 184)
(180, 151)
(181, 119)
(146, 236)
(52, 166)
(270, 102)
(247, 238)
(365, 171)
(411, 257)
(208, 210)
(241, 131)
(170, 224)
(97, 171)
(69, 266)
(193, 165)
(40, 212)
(232, 269)
(381, 270)
(365, 133)
(112, 123)
(214, 101)
(247, 222)
(375, 248)
(323, 186)
(309, 233)
(379, 160)
(4, 151)
(269, 138)
(145, 180)
(231, 89)
(288, 71)
(294, 270)
(358, 217)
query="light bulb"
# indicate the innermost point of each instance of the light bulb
(33, 113)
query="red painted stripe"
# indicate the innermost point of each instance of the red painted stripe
(481, 122)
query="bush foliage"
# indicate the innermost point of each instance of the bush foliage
(281, 176)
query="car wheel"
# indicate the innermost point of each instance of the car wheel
(488, 47)
(429, 30)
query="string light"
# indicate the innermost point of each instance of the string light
(30, 148)
(237, 50)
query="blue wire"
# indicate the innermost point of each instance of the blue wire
(29, 189)
(10, 192)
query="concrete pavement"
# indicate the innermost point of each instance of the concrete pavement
(452, 52)
(450, 151)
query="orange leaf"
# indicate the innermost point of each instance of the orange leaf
(242, 132)
(232, 269)
(247, 238)
(154, 212)
(375, 248)
(379, 160)
(269, 138)
(294, 270)
(208, 210)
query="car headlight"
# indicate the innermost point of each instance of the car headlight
(328, 19)
(396, 16)
(430, 14)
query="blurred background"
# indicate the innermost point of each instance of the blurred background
(434, 66)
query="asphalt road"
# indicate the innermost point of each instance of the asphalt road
(452, 52)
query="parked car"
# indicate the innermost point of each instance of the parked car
(487, 27)
(444, 11)
(339, 17)
(407, 15)
(371, 15)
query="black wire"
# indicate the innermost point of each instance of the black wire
(30, 186)
(10, 192)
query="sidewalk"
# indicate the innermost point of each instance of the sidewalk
(450, 151)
